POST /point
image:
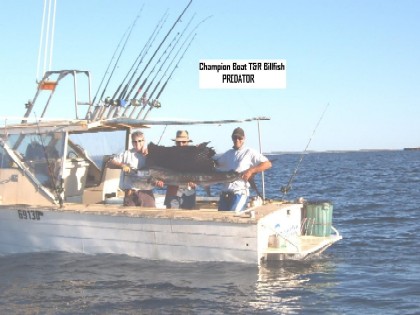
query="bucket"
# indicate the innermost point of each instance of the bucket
(318, 218)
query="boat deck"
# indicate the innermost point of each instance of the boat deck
(207, 212)
(301, 248)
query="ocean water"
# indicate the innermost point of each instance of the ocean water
(375, 269)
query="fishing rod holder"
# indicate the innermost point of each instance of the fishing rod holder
(155, 104)
(116, 108)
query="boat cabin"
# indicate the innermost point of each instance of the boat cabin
(43, 163)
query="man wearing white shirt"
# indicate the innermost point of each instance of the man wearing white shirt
(244, 160)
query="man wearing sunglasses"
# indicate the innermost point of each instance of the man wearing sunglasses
(179, 197)
(134, 158)
(244, 160)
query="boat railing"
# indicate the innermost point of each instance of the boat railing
(101, 110)
(310, 226)
(50, 82)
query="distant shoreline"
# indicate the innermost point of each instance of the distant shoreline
(343, 151)
(412, 149)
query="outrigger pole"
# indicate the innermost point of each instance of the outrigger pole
(46, 45)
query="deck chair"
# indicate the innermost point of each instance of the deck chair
(108, 186)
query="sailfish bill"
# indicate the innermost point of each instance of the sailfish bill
(144, 177)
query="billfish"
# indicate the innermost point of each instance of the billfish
(182, 159)
(170, 177)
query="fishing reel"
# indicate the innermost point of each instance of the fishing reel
(285, 189)
(155, 104)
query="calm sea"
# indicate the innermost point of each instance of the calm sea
(375, 269)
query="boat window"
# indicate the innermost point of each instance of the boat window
(42, 153)
(5, 160)
(96, 145)
(95, 148)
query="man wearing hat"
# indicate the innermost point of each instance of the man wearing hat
(177, 197)
(244, 160)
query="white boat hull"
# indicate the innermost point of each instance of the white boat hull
(198, 235)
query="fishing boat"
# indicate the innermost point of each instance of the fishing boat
(57, 195)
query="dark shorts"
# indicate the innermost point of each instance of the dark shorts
(140, 198)
(183, 202)
(229, 201)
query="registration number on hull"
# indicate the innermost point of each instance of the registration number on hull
(30, 214)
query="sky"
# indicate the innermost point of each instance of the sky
(353, 66)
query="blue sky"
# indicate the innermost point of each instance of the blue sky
(360, 57)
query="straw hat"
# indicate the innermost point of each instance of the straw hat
(182, 135)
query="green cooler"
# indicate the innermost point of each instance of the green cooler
(318, 216)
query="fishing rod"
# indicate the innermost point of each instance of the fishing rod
(109, 65)
(161, 135)
(170, 64)
(287, 188)
(143, 99)
(155, 52)
(167, 57)
(141, 55)
(156, 103)
(146, 48)
(122, 102)
(120, 54)
(253, 184)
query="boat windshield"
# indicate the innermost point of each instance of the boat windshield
(42, 154)
(97, 145)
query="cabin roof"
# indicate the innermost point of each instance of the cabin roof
(119, 123)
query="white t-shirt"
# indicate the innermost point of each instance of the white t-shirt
(135, 160)
(239, 160)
